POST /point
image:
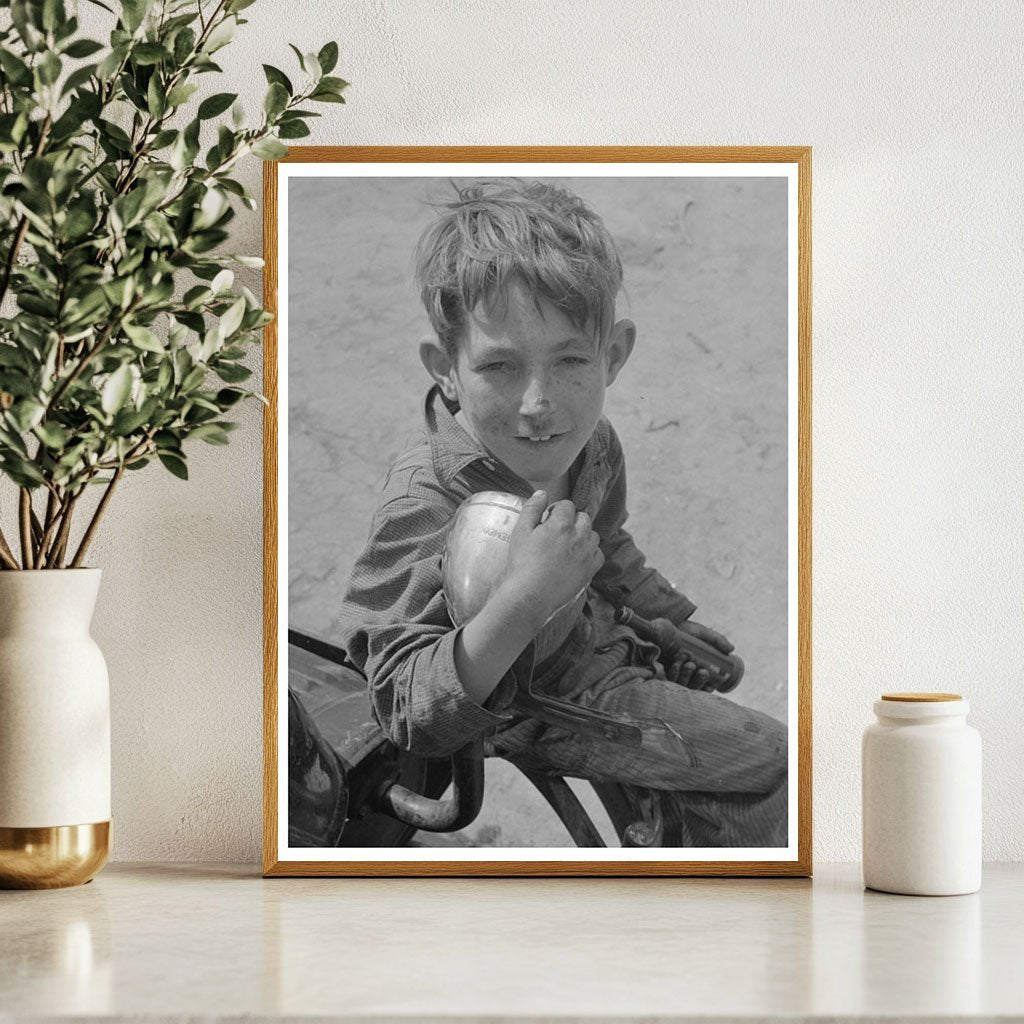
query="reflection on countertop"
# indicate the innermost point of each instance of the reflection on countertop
(177, 941)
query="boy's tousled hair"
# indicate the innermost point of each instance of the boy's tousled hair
(500, 232)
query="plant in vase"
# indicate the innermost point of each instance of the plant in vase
(122, 337)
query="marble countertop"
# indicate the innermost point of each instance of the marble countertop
(180, 941)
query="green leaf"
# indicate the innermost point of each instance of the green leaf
(216, 104)
(133, 12)
(35, 304)
(276, 99)
(156, 100)
(26, 20)
(116, 390)
(78, 78)
(164, 376)
(227, 397)
(211, 433)
(163, 139)
(196, 296)
(269, 149)
(234, 6)
(193, 321)
(184, 150)
(128, 421)
(11, 441)
(116, 133)
(279, 77)
(86, 309)
(144, 338)
(211, 208)
(83, 48)
(222, 282)
(65, 30)
(193, 379)
(328, 58)
(323, 96)
(211, 343)
(311, 66)
(12, 356)
(53, 14)
(129, 207)
(21, 471)
(232, 373)
(53, 435)
(181, 94)
(221, 35)
(26, 414)
(14, 68)
(49, 68)
(109, 65)
(292, 130)
(232, 319)
(184, 44)
(119, 291)
(334, 84)
(175, 465)
(77, 223)
(149, 53)
(168, 441)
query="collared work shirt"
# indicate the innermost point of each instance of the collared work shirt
(394, 621)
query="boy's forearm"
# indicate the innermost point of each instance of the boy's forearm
(489, 643)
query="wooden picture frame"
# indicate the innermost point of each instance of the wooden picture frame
(724, 188)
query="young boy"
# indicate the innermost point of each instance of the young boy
(520, 281)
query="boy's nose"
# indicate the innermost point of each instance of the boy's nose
(535, 399)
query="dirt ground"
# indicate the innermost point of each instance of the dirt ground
(701, 408)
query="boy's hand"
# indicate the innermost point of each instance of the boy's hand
(552, 557)
(678, 667)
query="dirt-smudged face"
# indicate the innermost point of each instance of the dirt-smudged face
(530, 385)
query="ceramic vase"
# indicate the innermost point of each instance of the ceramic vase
(54, 731)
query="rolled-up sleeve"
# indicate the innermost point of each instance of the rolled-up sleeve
(396, 628)
(625, 572)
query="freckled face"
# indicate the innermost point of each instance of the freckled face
(531, 387)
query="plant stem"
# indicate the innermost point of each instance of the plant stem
(6, 555)
(97, 516)
(51, 508)
(12, 253)
(19, 234)
(25, 521)
(37, 530)
(61, 543)
(54, 508)
(85, 359)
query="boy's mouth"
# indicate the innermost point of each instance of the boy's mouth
(538, 438)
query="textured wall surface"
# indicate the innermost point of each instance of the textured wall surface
(914, 116)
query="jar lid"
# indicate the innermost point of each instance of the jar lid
(920, 698)
(921, 705)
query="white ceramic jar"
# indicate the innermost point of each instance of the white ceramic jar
(921, 778)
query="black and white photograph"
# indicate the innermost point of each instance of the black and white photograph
(537, 529)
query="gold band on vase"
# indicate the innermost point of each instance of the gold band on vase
(52, 857)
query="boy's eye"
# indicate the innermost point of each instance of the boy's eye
(576, 360)
(498, 367)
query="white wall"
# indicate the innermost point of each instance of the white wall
(915, 118)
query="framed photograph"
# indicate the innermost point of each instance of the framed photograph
(538, 511)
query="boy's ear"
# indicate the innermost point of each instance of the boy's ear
(619, 347)
(439, 366)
